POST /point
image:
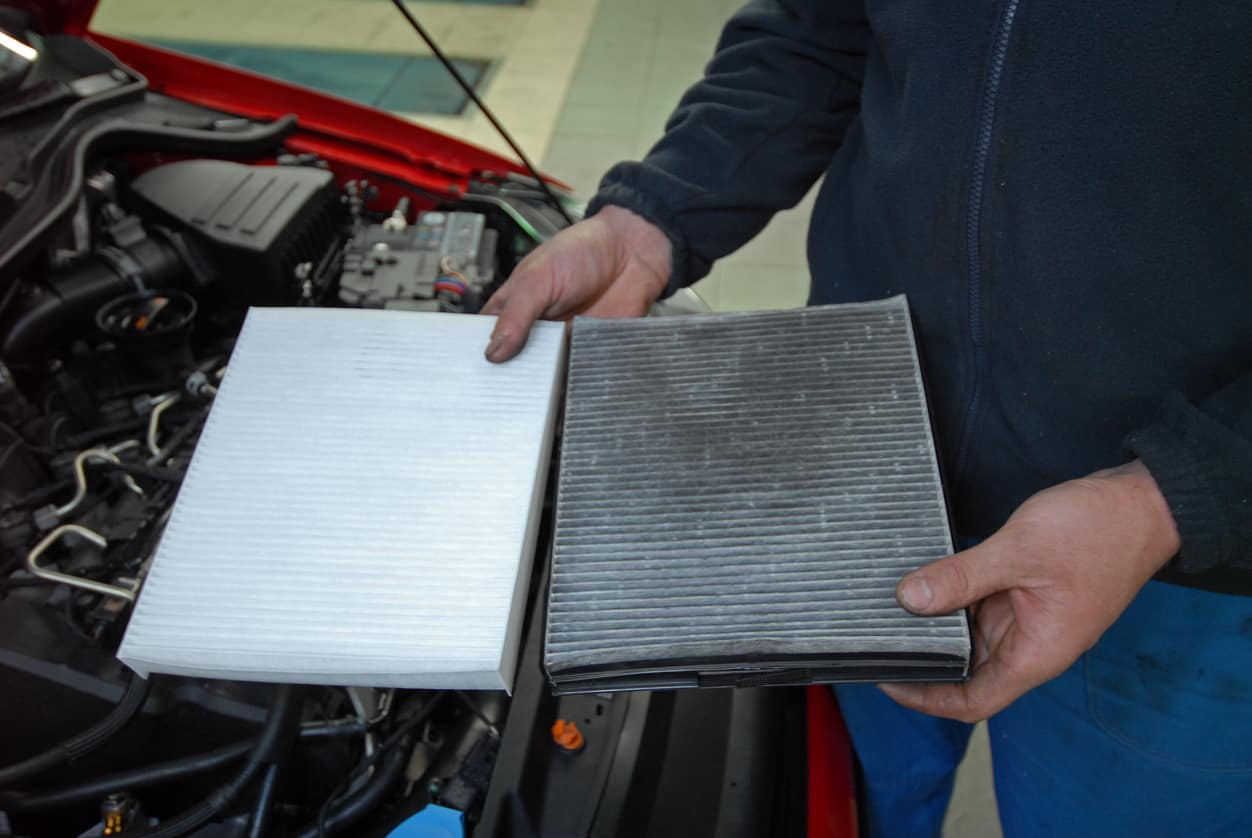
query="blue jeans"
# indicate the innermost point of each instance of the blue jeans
(1149, 733)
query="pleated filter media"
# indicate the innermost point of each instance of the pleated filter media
(739, 495)
(361, 508)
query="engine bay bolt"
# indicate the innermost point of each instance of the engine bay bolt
(567, 736)
(198, 385)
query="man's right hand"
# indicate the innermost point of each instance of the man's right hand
(614, 264)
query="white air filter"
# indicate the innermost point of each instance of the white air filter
(361, 508)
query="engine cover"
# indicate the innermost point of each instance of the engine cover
(257, 224)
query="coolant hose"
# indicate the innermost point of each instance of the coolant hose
(365, 799)
(84, 743)
(162, 772)
(281, 724)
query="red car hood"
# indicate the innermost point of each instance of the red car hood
(352, 135)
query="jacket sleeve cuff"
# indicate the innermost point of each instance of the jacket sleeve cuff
(1179, 451)
(615, 193)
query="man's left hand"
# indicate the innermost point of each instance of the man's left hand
(1044, 588)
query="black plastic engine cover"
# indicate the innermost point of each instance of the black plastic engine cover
(256, 224)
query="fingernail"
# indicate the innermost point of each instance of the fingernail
(915, 593)
(493, 347)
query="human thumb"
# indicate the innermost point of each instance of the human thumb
(956, 581)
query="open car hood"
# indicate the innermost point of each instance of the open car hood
(436, 161)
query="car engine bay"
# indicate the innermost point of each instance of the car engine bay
(136, 228)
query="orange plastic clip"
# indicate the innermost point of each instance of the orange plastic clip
(567, 736)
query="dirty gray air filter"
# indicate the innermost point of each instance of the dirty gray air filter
(739, 495)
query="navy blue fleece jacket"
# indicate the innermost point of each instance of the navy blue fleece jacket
(1062, 188)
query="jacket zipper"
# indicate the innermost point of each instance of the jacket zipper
(973, 223)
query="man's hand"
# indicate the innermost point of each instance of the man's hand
(614, 264)
(1044, 588)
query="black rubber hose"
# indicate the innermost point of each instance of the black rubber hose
(64, 307)
(52, 312)
(164, 772)
(151, 775)
(367, 798)
(400, 739)
(263, 809)
(275, 759)
(283, 717)
(84, 743)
